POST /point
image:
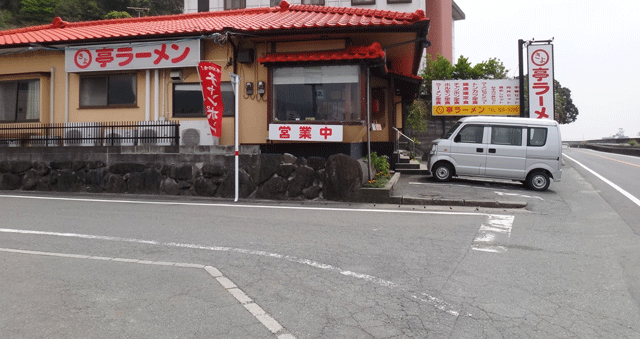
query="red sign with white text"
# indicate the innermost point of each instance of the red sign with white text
(210, 75)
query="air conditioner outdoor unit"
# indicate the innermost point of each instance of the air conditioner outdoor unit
(82, 134)
(119, 136)
(160, 133)
(44, 140)
(196, 133)
(9, 142)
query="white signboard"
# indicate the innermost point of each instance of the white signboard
(301, 132)
(475, 97)
(541, 93)
(162, 54)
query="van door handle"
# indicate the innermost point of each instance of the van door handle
(479, 150)
(492, 150)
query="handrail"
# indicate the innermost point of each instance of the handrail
(396, 145)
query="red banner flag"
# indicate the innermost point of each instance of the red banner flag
(210, 74)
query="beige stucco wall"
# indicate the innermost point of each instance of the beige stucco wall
(38, 65)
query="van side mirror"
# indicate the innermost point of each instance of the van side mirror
(457, 138)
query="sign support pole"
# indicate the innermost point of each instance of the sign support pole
(521, 77)
(235, 81)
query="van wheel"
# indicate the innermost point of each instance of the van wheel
(442, 172)
(538, 181)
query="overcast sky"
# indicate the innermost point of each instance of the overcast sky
(596, 49)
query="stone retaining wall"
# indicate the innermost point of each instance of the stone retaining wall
(261, 176)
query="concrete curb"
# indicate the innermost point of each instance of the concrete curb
(384, 196)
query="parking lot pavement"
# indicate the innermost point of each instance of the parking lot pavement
(464, 191)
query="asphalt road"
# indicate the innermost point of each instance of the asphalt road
(615, 176)
(97, 266)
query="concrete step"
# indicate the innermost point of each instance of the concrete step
(413, 167)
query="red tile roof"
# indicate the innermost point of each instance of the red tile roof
(255, 20)
(351, 53)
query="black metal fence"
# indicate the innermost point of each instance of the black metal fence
(162, 133)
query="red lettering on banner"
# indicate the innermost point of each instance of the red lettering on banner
(326, 132)
(126, 53)
(305, 132)
(143, 55)
(284, 132)
(181, 57)
(161, 53)
(542, 113)
(104, 56)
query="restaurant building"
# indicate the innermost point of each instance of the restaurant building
(314, 80)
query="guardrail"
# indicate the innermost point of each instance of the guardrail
(163, 133)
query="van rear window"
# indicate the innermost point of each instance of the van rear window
(537, 136)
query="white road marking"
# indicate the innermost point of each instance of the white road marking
(441, 305)
(496, 229)
(616, 187)
(517, 195)
(308, 208)
(224, 281)
(269, 322)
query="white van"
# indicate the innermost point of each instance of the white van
(523, 149)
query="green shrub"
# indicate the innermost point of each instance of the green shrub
(381, 164)
(633, 143)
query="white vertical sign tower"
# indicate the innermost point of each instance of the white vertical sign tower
(541, 91)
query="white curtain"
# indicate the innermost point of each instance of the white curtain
(33, 100)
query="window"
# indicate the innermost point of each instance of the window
(317, 93)
(451, 130)
(188, 102)
(537, 136)
(505, 135)
(313, 2)
(203, 5)
(275, 3)
(234, 4)
(470, 134)
(19, 100)
(108, 90)
(362, 2)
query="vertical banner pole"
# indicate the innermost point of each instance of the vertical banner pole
(235, 81)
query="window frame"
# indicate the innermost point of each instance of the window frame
(496, 127)
(17, 99)
(359, 91)
(362, 2)
(458, 137)
(203, 6)
(226, 86)
(399, 1)
(313, 2)
(134, 77)
(546, 136)
(228, 4)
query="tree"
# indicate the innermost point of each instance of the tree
(117, 15)
(37, 11)
(79, 10)
(566, 111)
